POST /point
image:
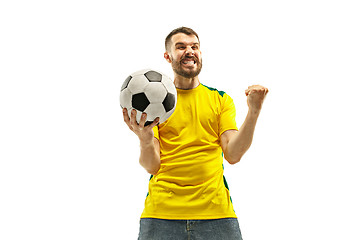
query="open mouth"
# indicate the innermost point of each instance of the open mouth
(188, 62)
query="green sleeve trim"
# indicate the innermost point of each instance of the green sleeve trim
(214, 89)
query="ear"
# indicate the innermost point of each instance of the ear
(167, 57)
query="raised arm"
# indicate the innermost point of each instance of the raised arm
(149, 145)
(235, 143)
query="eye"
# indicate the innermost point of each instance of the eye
(181, 47)
(195, 47)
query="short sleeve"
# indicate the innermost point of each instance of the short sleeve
(227, 115)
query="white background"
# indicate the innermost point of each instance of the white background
(69, 165)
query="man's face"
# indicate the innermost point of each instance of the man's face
(185, 55)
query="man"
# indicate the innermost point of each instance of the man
(188, 195)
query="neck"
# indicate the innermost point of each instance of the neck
(186, 83)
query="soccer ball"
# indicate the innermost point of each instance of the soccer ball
(151, 92)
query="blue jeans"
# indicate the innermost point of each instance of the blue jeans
(217, 229)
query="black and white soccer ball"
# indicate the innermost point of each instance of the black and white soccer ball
(151, 92)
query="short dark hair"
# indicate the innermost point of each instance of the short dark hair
(186, 30)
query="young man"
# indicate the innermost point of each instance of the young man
(188, 195)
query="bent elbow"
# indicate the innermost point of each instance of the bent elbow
(153, 170)
(234, 161)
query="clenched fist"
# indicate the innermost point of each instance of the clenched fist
(255, 97)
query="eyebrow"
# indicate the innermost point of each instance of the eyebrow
(181, 43)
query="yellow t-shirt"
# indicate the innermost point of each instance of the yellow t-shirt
(190, 183)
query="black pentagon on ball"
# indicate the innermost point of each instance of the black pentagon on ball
(153, 76)
(169, 102)
(126, 82)
(140, 101)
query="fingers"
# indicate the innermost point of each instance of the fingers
(142, 121)
(133, 118)
(154, 123)
(132, 123)
(256, 89)
(126, 118)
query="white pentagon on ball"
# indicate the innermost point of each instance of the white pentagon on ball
(125, 97)
(170, 87)
(139, 85)
(155, 92)
(157, 109)
(151, 92)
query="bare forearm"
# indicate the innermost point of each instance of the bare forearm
(236, 144)
(242, 139)
(149, 146)
(150, 157)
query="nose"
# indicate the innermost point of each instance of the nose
(189, 51)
